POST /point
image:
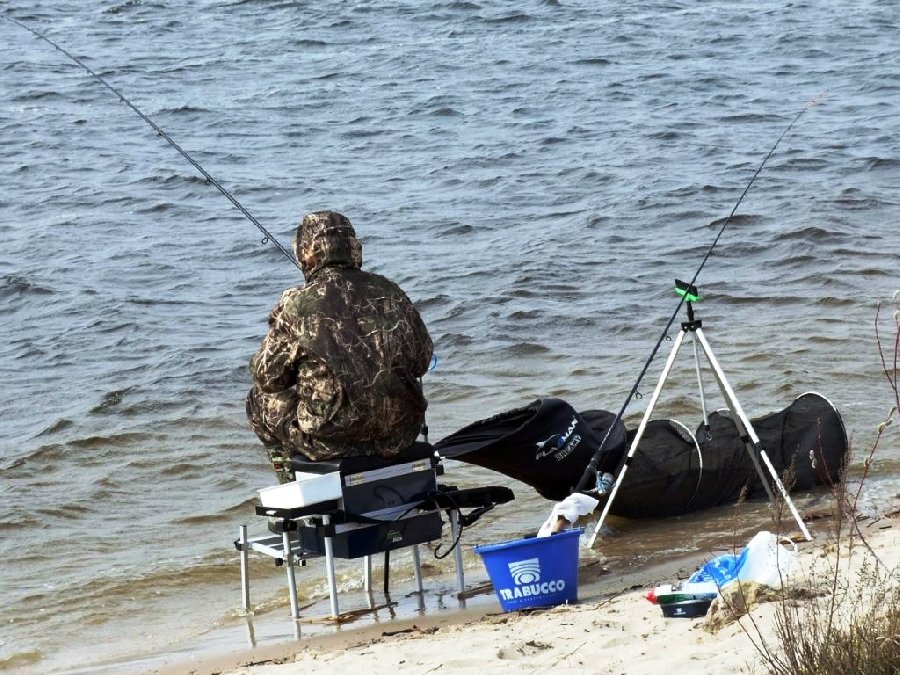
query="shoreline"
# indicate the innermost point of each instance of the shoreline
(612, 624)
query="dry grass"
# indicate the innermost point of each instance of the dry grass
(844, 617)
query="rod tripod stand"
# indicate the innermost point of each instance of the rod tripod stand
(693, 326)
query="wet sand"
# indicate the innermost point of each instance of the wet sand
(612, 628)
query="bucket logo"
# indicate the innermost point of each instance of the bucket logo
(559, 445)
(526, 576)
(525, 571)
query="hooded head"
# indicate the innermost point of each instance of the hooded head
(326, 239)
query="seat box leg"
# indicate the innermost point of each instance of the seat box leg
(417, 568)
(367, 574)
(245, 569)
(457, 554)
(329, 570)
(292, 579)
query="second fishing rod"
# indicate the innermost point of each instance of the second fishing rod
(590, 477)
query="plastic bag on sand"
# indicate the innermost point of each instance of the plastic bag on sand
(764, 561)
(768, 562)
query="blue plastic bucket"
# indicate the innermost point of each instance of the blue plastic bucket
(534, 572)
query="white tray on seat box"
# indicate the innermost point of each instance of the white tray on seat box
(307, 489)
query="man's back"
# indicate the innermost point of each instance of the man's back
(342, 359)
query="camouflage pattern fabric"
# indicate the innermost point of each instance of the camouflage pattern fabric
(281, 463)
(338, 372)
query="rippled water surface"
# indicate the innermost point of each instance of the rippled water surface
(535, 175)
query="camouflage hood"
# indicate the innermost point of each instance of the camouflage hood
(326, 239)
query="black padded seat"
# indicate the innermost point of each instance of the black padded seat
(347, 465)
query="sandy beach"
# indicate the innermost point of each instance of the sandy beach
(612, 629)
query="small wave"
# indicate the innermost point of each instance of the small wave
(275, 3)
(857, 203)
(328, 76)
(515, 17)
(523, 315)
(74, 511)
(799, 261)
(876, 163)
(739, 219)
(15, 284)
(526, 349)
(664, 135)
(36, 461)
(456, 340)
(159, 301)
(751, 118)
(361, 133)
(100, 598)
(434, 301)
(37, 96)
(804, 164)
(183, 109)
(118, 9)
(305, 42)
(593, 61)
(553, 140)
(110, 400)
(20, 659)
(812, 233)
(872, 272)
(56, 427)
(243, 507)
(456, 230)
(124, 440)
(836, 302)
(445, 112)
(27, 520)
(462, 5)
(184, 469)
(156, 179)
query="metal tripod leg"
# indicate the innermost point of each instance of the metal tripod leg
(700, 383)
(637, 437)
(749, 431)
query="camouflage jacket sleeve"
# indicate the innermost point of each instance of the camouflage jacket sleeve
(273, 367)
(424, 348)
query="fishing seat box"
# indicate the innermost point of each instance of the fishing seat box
(355, 507)
(384, 503)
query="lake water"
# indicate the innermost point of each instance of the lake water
(535, 175)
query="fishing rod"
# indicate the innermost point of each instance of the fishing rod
(589, 477)
(267, 236)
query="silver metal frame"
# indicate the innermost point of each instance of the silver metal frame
(281, 548)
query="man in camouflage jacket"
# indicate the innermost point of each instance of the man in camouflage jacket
(338, 372)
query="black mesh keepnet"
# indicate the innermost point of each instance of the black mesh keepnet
(664, 474)
(548, 444)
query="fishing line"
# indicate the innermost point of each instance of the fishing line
(589, 477)
(267, 236)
